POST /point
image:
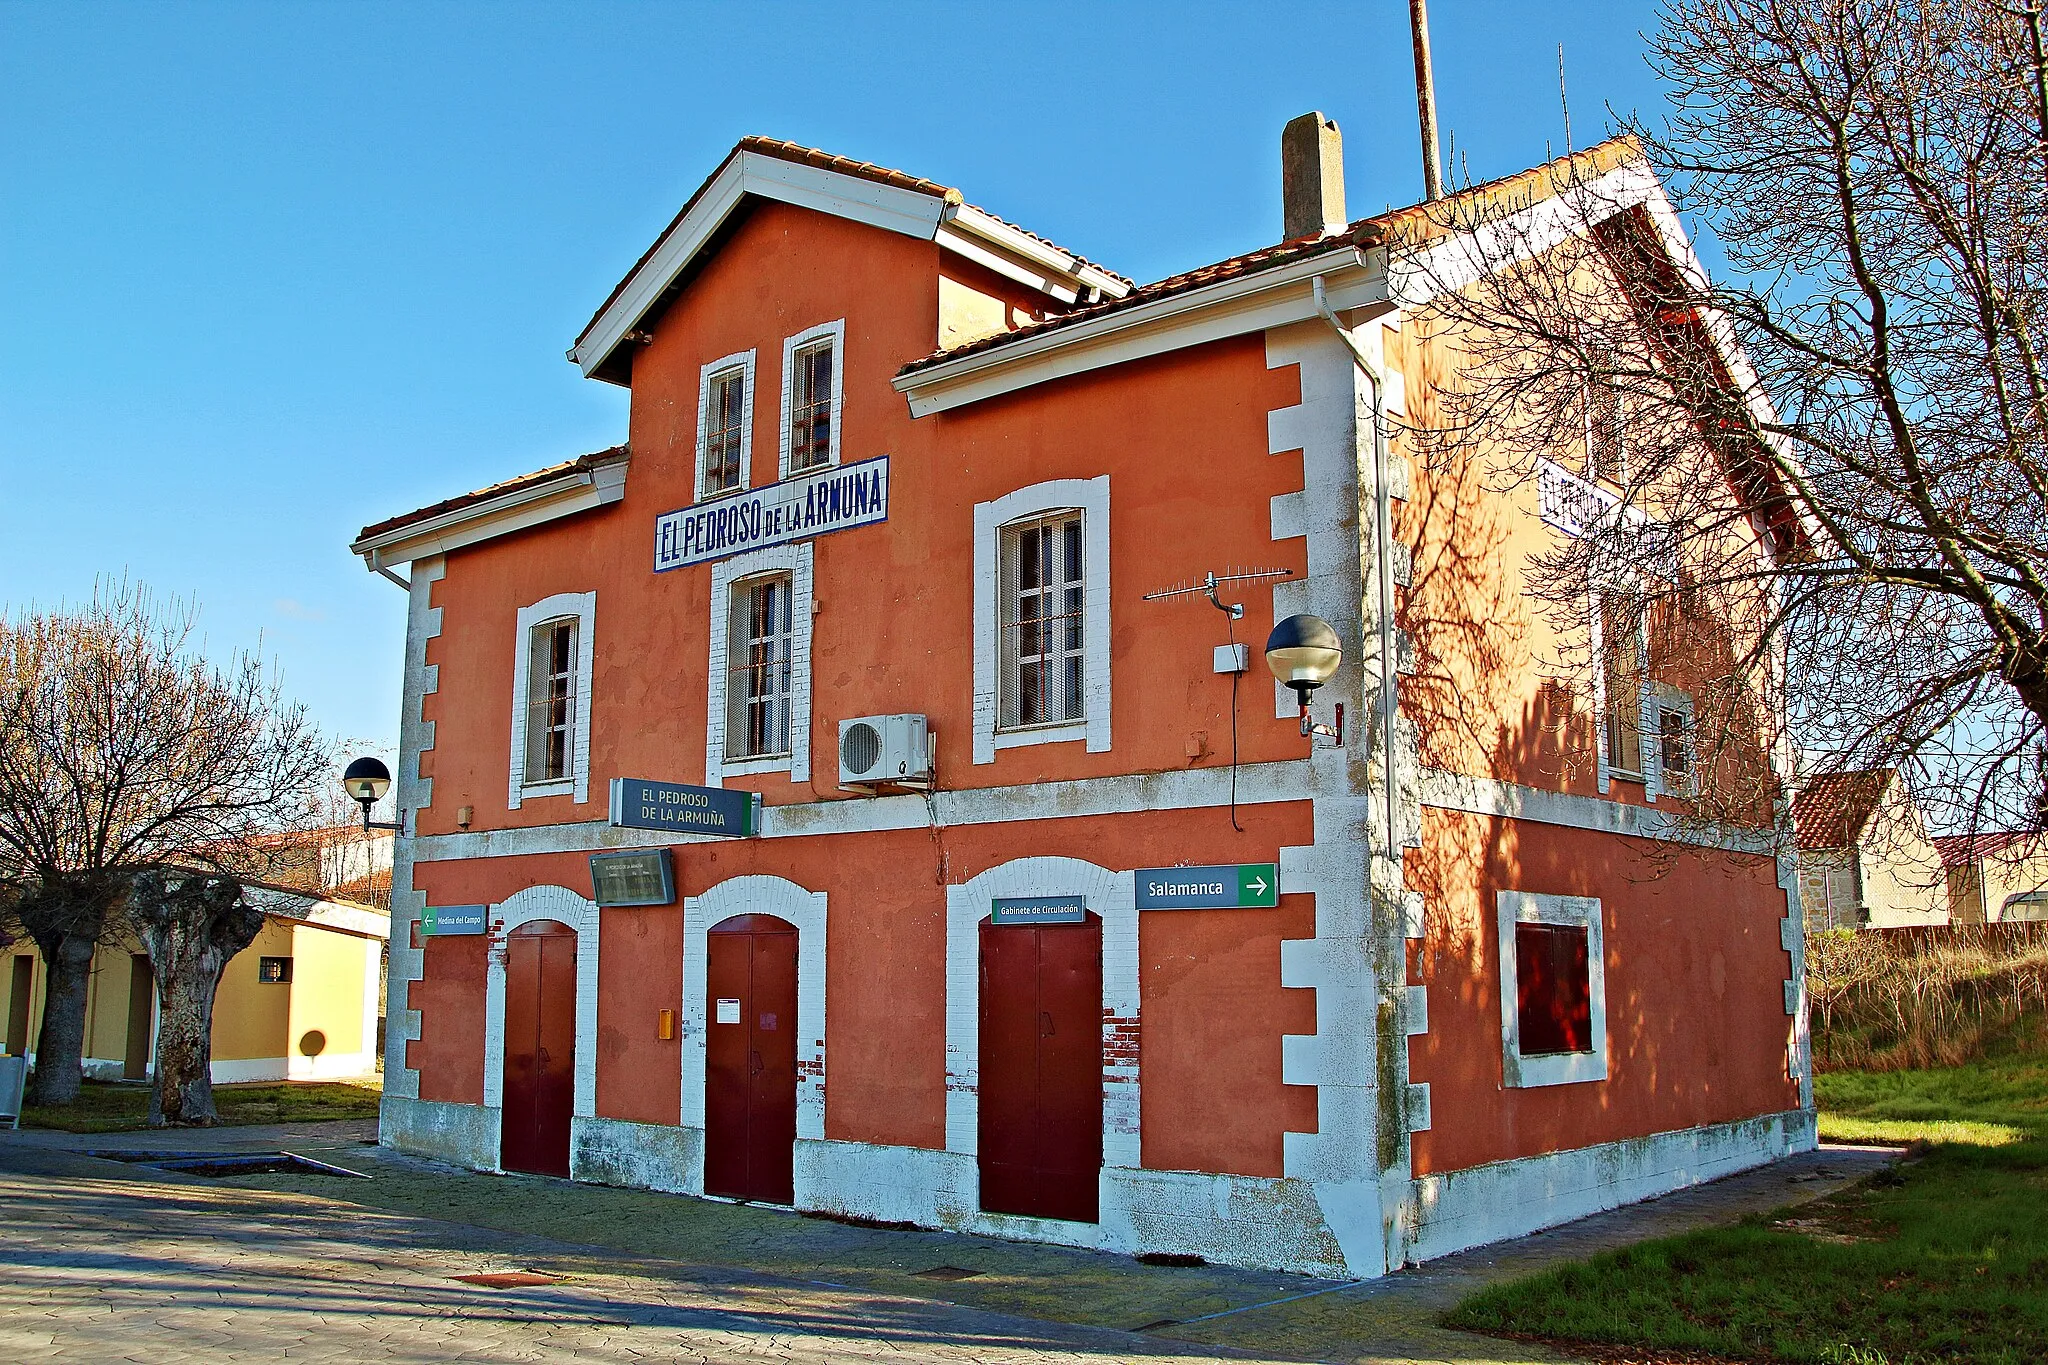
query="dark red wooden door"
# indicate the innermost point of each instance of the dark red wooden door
(540, 1048)
(750, 1060)
(1040, 1127)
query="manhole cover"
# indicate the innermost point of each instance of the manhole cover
(508, 1279)
(945, 1272)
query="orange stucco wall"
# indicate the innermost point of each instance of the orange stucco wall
(1696, 1021)
(1211, 1005)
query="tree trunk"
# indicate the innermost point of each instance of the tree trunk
(192, 928)
(66, 915)
(60, 1051)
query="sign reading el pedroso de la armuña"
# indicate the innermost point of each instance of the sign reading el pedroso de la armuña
(835, 499)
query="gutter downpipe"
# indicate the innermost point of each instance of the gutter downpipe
(375, 563)
(1383, 531)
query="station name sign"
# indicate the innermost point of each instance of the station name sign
(1230, 886)
(680, 809)
(836, 499)
(437, 921)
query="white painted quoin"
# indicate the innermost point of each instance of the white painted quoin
(1333, 1086)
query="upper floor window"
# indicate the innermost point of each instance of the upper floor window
(1622, 668)
(1553, 989)
(1044, 609)
(551, 667)
(1605, 434)
(758, 717)
(759, 659)
(1041, 617)
(551, 701)
(725, 424)
(812, 384)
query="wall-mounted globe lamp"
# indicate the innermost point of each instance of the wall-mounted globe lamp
(366, 780)
(1304, 653)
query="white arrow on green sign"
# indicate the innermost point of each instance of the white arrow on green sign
(1226, 886)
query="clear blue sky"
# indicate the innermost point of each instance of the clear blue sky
(270, 272)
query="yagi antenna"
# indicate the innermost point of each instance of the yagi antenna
(1211, 581)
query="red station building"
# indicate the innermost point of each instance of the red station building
(1046, 920)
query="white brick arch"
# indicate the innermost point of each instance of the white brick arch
(564, 906)
(1110, 895)
(755, 895)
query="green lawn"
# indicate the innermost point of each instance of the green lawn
(109, 1108)
(1944, 1259)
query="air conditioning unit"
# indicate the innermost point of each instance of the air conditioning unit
(884, 749)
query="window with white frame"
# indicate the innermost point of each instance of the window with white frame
(551, 667)
(1553, 989)
(725, 424)
(759, 716)
(1041, 603)
(812, 383)
(1677, 773)
(1044, 611)
(758, 667)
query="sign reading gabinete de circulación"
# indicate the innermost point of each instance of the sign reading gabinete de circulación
(835, 499)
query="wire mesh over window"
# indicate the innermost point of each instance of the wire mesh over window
(725, 412)
(810, 406)
(1621, 666)
(1042, 611)
(758, 661)
(1674, 747)
(1553, 989)
(551, 701)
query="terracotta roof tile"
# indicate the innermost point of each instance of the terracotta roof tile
(456, 504)
(2013, 844)
(1832, 810)
(1413, 221)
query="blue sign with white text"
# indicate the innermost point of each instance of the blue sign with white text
(436, 920)
(680, 809)
(834, 499)
(1231, 886)
(1038, 910)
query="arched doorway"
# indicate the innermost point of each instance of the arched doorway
(1039, 1120)
(540, 1048)
(750, 1059)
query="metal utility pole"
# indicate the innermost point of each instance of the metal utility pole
(1425, 101)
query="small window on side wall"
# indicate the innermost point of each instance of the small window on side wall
(725, 407)
(274, 971)
(810, 405)
(1553, 989)
(1622, 651)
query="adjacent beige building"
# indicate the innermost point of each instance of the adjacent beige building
(1997, 878)
(1865, 861)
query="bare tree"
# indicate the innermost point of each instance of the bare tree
(139, 786)
(1828, 474)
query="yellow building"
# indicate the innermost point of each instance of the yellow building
(1997, 877)
(299, 1003)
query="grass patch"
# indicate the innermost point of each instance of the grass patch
(103, 1107)
(1944, 1258)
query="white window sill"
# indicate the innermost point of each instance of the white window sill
(760, 763)
(1558, 1068)
(1624, 775)
(713, 495)
(1046, 734)
(818, 468)
(561, 786)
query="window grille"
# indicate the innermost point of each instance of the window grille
(1674, 747)
(810, 406)
(725, 412)
(758, 668)
(1041, 628)
(551, 701)
(1622, 665)
(1553, 989)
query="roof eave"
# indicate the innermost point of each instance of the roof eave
(516, 509)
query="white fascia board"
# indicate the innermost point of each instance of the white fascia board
(911, 212)
(514, 511)
(1233, 307)
(1044, 281)
(1018, 242)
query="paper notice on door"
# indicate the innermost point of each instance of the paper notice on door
(728, 1011)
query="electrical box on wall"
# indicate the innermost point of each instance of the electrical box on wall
(885, 750)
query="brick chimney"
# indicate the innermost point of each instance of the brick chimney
(1311, 178)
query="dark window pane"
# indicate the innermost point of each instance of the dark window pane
(1553, 989)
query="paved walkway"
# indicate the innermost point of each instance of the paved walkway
(119, 1261)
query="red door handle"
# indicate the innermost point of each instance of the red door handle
(1045, 1029)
